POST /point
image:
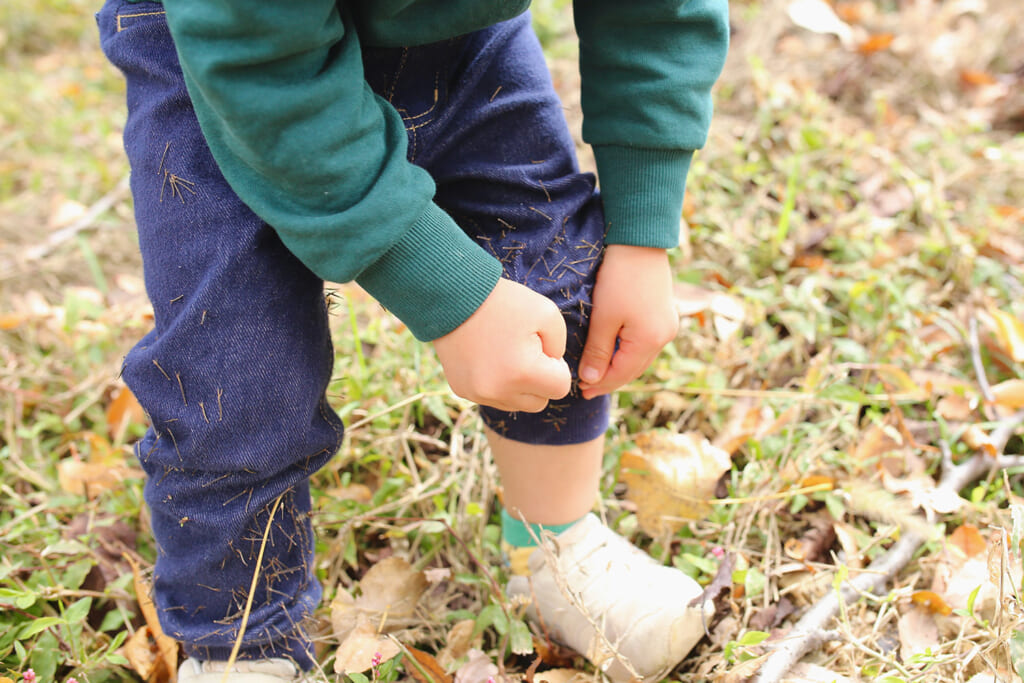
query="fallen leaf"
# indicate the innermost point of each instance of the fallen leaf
(432, 672)
(477, 669)
(918, 633)
(967, 538)
(931, 602)
(124, 409)
(390, 591)
(361, 648)
(1009, 394)
(91, 478)
(977, 438)
(813, 545)
(143, 654)
(727, 312)
(1009, 331)
(671, 479)
(360, 493)
(954, 408)
(974, 78)
(459, 642)
(818, 16)
(804, 672)
(875, 43)
(562, 676)
(165, 649)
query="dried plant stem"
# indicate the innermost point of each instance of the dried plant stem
(252, 592)
(808, 631)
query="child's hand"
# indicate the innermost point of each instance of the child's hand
(508, 354)
(633, 303)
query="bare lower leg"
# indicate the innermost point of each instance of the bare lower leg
(548, 484)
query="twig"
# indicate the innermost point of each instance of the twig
(809, 630)
(95, 211)
(979, 368)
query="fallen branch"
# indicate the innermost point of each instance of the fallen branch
(92, 213)
(810, 631)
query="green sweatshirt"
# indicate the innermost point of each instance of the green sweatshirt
(282, 102)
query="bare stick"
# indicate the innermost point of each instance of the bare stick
(95, 211)
(809, 630)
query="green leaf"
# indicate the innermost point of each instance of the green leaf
(44, 657)
(521, 640)
(38, 626)
(357, 677)
(844, 392)
(492, 615)
(77, 613)
(751, 638)
(1017, 652)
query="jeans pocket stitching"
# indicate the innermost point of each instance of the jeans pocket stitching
(133, 15)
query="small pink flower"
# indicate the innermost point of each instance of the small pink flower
(718, 551)
(72, 680)
(377, 659)
(490, 679)
(29, 676)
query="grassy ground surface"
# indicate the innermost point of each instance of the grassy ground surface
(857, 214)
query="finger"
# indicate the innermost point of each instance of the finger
(629, 362)
(599, 348)
(553, 333)
(549, 377)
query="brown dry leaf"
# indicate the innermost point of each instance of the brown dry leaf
(459, 642)
(477, 669)
(876, 43)
(750, 421)
(166, 648)
(432, 670)
(360, 493)
(124, 409)
(813, 545)
(1009, 331)
(974, 78)
(804, 672)
(361, 648)
(954, 408)
(978, 439)
(847, 537)
(143, 655)
(91, 478)
(561, 676)
(727, 312)
(932, 602)
(9, 321)
(1009, 394)
(671, 479)
(967, 538)
(877, 441)
(918, 633)
(391, 590)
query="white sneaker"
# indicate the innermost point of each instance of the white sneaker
(250, 671)
(588, 575)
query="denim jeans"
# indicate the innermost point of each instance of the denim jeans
(234, 373)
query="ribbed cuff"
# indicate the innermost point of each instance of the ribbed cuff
(434, 278)
(642, 192)
(518, 534)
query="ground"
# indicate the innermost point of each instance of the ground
(852, 290)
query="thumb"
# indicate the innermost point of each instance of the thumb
(599, 349)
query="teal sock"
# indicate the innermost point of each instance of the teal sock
(518, 534)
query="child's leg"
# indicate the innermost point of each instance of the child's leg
(233, 376)
(549, 485)
(484, 120)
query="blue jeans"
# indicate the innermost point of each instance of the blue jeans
(235, 371)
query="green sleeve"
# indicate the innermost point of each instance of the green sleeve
(647, 68)
(280, 95)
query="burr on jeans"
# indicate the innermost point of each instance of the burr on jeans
(235, 371)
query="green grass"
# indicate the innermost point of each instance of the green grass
(852, 240)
